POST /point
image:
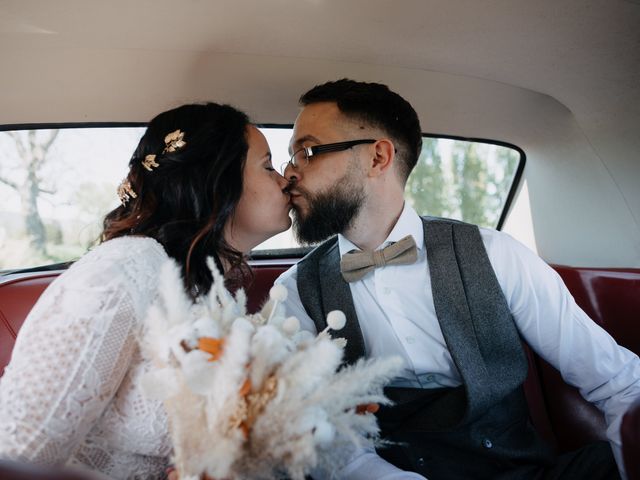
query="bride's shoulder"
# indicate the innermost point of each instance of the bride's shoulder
(130, 248)
(125, 258)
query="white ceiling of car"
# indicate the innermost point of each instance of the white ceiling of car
(584, 53)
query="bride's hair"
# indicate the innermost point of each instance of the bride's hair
(184, 193)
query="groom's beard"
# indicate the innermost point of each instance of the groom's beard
(329, 212)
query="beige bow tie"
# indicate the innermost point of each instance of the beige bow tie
(355, 265)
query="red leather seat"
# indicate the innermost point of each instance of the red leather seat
(20, 292)
(610, 296)
(265, 275)
(17, 296)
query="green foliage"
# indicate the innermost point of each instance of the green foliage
(471, 177)
(464, 180)
(425, 186)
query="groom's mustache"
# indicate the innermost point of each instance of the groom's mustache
(292, 189)
(290, 185)
(296, 191)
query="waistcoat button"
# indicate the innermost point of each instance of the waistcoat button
(487, 443)
(420, 462)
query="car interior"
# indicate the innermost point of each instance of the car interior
(558, 81)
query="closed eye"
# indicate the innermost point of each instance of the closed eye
(267, 164)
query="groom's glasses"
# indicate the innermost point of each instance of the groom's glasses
(300, 158)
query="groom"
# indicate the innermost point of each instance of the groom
(451, 299)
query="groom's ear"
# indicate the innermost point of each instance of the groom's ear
(384, 154)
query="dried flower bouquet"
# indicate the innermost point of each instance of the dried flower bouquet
(249, 395)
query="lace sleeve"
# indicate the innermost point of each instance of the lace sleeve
(69, 359)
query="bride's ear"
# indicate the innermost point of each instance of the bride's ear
(383, 157)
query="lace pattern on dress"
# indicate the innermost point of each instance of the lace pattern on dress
(71, 392)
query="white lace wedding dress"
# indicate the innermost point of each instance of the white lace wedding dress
(71, 394)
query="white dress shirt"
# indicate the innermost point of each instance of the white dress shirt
(397, 316)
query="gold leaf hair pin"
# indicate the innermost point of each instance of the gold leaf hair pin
(149, 162)
(126, 192)
(172, 142)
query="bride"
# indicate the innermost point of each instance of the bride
(200, 184)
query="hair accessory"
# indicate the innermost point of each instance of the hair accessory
(125, 192)
(149, 162)
(172, 142)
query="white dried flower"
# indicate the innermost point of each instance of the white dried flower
(340, 342)
(206, 327)
(290, 325)
(198, 372)
(336, 320)
(324, 433)
(302, 337)
(278, 293)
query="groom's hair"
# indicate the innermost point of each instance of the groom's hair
(377, 106)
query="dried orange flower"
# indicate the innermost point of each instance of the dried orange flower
(213, 346)
(246, 388)
(252, 404)
(367, 408)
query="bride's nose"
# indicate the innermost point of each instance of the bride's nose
(282, 182)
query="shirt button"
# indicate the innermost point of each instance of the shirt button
(420, 462)
(410, 340)
(430, 378)
(386, 290)
(487, 443)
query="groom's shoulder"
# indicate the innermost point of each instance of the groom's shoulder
(430, 219)
(319, 251)
(310, 260)
(459, 226)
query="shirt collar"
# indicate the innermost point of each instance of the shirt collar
(409, 223)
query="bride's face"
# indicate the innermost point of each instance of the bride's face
(263, 209)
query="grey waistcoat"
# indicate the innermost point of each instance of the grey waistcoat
(459, 424)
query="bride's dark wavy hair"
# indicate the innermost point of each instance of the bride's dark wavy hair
(185, 202)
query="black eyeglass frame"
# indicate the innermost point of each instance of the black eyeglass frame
(326, 148)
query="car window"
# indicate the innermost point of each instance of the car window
(56, 185)
(464, 179)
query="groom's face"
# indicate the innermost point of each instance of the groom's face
(327, 193)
